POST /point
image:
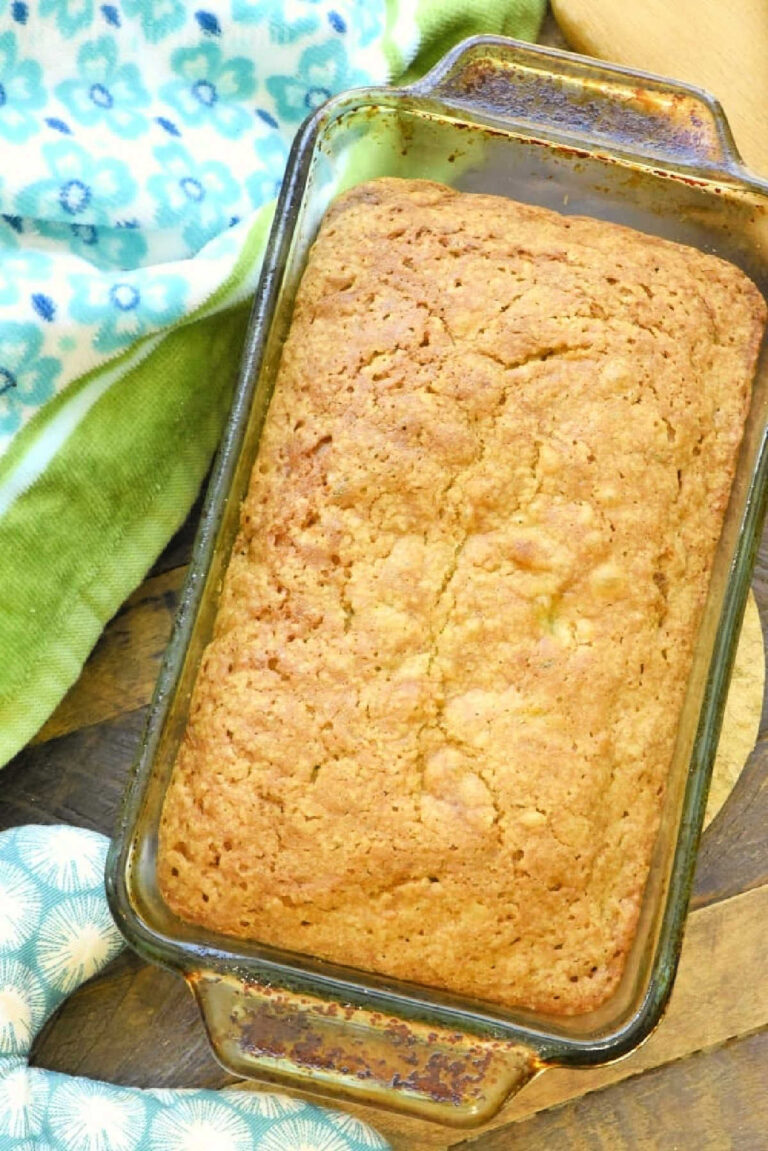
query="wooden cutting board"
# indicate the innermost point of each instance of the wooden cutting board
(720, 45)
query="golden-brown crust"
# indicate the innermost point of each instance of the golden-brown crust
(431, 732)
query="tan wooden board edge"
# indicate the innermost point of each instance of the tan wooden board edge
(741, 721)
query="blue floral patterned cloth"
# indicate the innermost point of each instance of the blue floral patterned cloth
(56, 932)
(142, 145)
(139, 141)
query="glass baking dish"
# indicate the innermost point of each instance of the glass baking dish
(562, 131)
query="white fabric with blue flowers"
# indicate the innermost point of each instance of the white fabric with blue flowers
(138, 141)
(56, 932)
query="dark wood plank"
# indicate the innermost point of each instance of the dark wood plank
(712, 1101)
(76, 779)
(136, 1025)
(733, 855)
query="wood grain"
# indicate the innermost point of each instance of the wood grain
(137, 1025)
(77, 779)
(705, 1103)
(734, 852)
(722, 47)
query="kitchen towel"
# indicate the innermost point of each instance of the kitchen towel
(142, 145)
(56, 932)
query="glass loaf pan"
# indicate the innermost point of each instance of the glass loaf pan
(565, 132)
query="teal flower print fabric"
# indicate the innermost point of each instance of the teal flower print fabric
(27, 379)
(143, 143)
(56, 932)
(21, 91)
(210, 89)
(105, 91)
(124, 308)
(77, 187)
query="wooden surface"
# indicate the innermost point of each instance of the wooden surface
(720, 45)
(699, 1083)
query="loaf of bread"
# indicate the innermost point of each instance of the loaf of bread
(431, 733)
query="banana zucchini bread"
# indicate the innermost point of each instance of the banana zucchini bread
(431, 733)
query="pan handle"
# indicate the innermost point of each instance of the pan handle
(367, 1057)
(577, 98)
